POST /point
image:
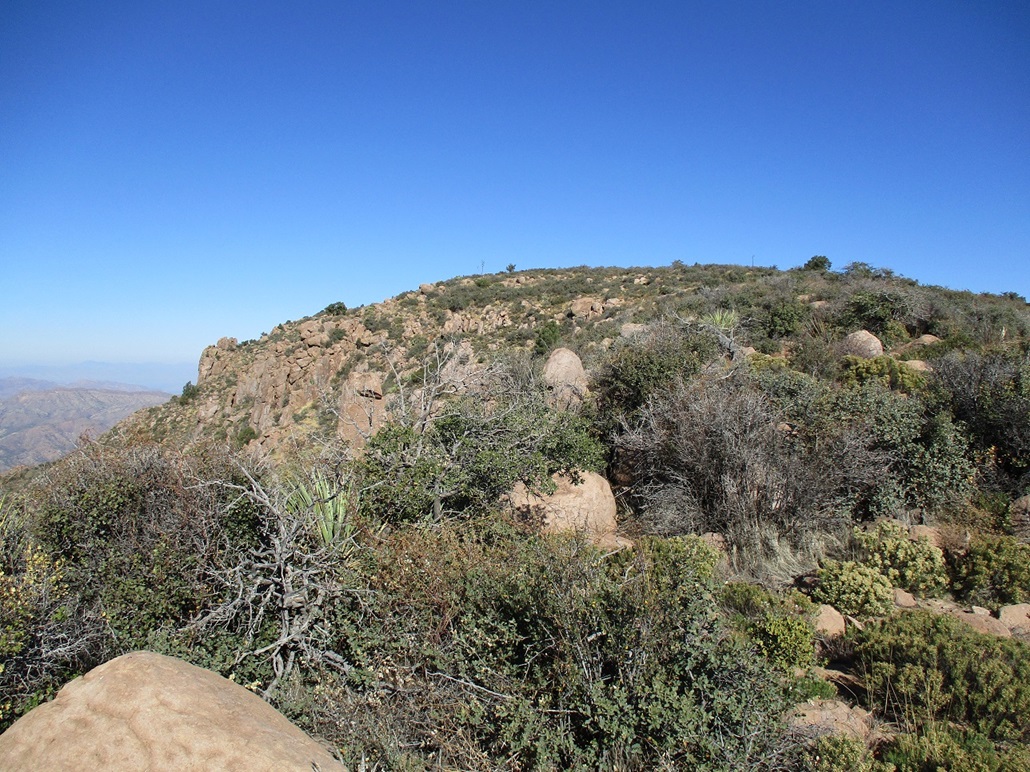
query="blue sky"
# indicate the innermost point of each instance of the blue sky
(174, 172)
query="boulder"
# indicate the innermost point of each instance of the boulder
(862, 343)
(631, 330)
(820, 717)
(586, 307)
(565, 376)
(829, 622)
(587, 508)
(924, 340)
(367, 384)
(1016, 618)
(147, 711)
(904, 599)
(918, 365)
(928, 533)
(987, 625)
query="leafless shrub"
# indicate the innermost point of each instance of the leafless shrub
(276, 593)
(712, 455)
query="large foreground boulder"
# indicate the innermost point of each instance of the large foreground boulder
(145, 711)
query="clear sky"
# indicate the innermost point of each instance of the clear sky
(172, 172)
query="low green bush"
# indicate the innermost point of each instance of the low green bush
(839, 753)
(995, 572)
(911, 564)
(922, 668)
(853, 589)
(507, 645)
(946, 749)
(779, 626)
(885, 370)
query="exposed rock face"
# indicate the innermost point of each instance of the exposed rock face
(361, 409)
(588, 508)
(924, 340)
(904, 599)
(862, 344)
(927, 533)
(983, 623)
(1016, 618)
(144, 711)
(586, 307)
(565, 376)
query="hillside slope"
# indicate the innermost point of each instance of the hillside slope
(333, 372)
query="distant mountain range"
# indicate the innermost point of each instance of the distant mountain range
(42, 420)
(118, 376)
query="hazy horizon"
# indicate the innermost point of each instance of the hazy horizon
(168, 377)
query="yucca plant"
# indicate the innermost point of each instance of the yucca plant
(329, 507)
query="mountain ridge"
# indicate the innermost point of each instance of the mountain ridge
(335, 371)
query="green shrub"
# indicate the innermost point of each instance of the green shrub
(885, 370)
(777, 625)
(547, 335)
(853, 588)
(913, 565)
(946, 749)
(513, 646)
(471, 454)
(840, 753)
(335, 309)
(922, 668)
(650, 364)
(995, 572)
(189, 392)
(786, 318)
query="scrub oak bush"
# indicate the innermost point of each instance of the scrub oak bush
(545, 651)
(648, 365)
(464, 459)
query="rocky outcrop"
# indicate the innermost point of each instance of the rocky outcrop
(587, 507)
(983, 623)
(145, 711)
(586, 307)
(862, 343)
